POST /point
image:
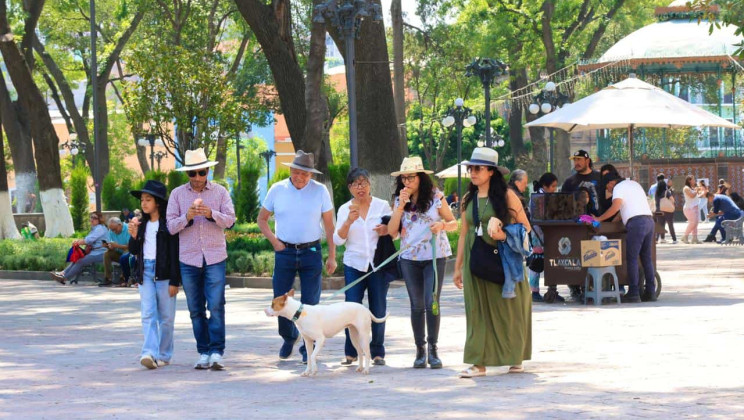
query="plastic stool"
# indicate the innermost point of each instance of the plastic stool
(597, 274)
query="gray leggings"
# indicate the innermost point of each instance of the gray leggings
(74, 269)
(419, 277)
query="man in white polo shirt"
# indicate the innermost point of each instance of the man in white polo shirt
(629, 198)
(299, 204)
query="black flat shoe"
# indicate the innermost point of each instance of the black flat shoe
(628, 298)
(348, 360)
(378, 361)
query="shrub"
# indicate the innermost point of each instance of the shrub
(246, 199)
(338, 174)
(79, 197)
(279, 175)
(116, 196)
(176, 179)
(248, 228)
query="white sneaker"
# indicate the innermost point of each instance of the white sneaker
(163, 363)
(215, 362)
(203, 362)
(148, 362)
(674, 242)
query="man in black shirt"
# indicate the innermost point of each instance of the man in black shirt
(585, 176)
(588, 178)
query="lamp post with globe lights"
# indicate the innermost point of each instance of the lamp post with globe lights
(346, 16)
(73, 147)
(488, 71)
(548, 100)
(461, 117)
(150, 140)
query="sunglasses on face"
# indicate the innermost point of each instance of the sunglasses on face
(476, 168)
(192, 174)
(408, 178)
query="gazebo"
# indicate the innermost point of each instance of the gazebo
(681, 56)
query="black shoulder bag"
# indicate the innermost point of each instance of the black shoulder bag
(536, 261)
(485, 260)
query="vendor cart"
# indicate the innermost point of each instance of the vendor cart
(563, 252)
(562, 243)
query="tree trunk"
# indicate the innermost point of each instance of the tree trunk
(380, 150)
(562, 147)
(315, 102)
(399, 90)
(143, 158)
(268, 25)
(80, 124)
(56, 212)
(221, 158)
(516, 137)
(8, 229)
(21, 149)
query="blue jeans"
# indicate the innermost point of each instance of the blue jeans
(308, 263)
(158, 314)
(205, 289)
(419, 277)
(639, 240)
(377, 287)
(125, 264)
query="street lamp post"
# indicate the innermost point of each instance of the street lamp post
(487, 70)
(159, 155)
(268, 154)
(461, 117)
(346, 16)
(151, 141)
(548, 100)
(73, 146)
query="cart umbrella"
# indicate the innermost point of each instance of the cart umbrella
(629, 104)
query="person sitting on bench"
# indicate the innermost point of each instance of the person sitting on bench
(94, 240)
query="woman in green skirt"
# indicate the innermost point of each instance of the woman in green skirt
(499, 330)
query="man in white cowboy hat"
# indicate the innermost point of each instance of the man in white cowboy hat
(299, 204)
(199, 212)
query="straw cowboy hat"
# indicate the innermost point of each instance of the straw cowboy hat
(485, 156)
(304, 162)
(411, 165)
(196, 159)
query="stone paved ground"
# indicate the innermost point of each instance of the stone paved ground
(72, 352)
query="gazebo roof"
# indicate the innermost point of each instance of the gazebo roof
(677, 43)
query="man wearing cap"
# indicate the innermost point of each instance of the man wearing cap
(199, 212)
(299, 204)
(587, 177)
(629, 198)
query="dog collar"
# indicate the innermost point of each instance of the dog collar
(297, 314)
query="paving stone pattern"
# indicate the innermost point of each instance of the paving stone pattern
(73, 352)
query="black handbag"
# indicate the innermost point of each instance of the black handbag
(536, 261)
(485, 260)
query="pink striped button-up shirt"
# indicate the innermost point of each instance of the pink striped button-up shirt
(201, 239)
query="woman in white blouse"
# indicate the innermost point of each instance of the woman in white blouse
(359, 226)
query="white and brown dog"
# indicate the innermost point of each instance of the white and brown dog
(316, 323)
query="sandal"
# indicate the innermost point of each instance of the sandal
(348, 360)
(516, 369)
(472, 372)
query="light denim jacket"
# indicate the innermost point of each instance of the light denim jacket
(513, 253)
